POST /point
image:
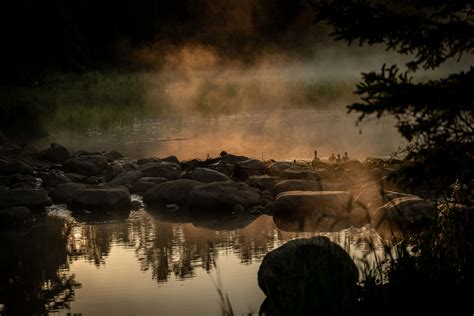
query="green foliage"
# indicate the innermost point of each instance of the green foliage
(436, 116)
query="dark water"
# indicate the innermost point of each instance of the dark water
(279, 134)
(145, 263)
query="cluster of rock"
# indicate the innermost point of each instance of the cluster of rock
(300, 196)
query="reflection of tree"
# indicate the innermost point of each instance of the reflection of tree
(34, 277)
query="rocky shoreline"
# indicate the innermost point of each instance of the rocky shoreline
(301, 196)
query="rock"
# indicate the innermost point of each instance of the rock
(15, 216)
(65, 191)
(402, 214)
(359, 217)
(172, 159)
(309, 201)
(312, 276)
(74, 177)
(230, 159)
(144, 161)
(126, 179)
(93, 180)
(142, 187)
(250, 167)
(300, 175)
(156, 180)
(297, 185)
(101, 199)
(263, 182)
(53, 178)
(278, 168)
(112, 155)
(113, 171)
(31, 198)
(207, 175)
(171, 192)
(226, 169)
(55, 153)
(90, 165)
(166, 170)
(13, 166)
(222, 196)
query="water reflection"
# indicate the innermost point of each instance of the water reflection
(170, 247)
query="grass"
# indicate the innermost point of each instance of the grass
(104, 99)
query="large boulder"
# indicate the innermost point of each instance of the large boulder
(126, 179)
(22, 181)
(207, 175)
(88, 165)
(15, 216)
(168, 170)
(101, 199)
(53, 178)
(112, 171)
(171, 192)
(14, 166)
(308, 202)
(222, 196)
(308, 277)
(297, 185)
(402, 214)
(65, 191)
(263, 182)
(55, 153)
(250, 167)
(31, 198)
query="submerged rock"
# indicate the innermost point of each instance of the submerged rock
(223, 196)
(100, 199)
(171, 192)
(55, 153)
(31, 198)
(311, 276)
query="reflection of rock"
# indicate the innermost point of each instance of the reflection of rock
(402, 214)
(297, 185)
(101, 199)
(163, 215)
(171, 192)
(308, 276)
(326, 221)
(207, 175)
(223, 196)
(31, 198)
(88, 165)
(168, 170)
(15, 216)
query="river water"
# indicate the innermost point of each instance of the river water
(279, 134)
(149, 263)
(145, 263)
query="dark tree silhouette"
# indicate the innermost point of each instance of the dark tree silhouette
(436, 116)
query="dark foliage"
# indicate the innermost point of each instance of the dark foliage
(436, 116)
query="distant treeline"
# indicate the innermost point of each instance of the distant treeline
(75, 35)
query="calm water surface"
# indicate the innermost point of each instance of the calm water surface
(145, 263)
(279, 134)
